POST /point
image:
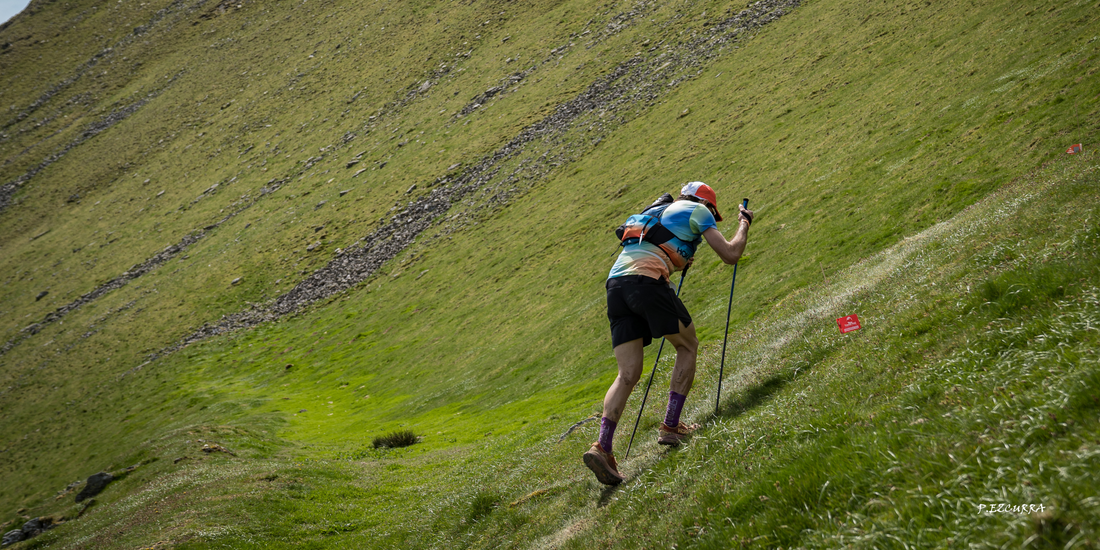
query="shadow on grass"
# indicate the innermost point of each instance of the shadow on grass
(606, 494)
(754, 395)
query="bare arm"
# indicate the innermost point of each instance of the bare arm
(730, 251)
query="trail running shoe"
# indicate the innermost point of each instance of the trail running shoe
(602, 463)
(673, 436)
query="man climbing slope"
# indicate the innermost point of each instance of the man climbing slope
(642, 305)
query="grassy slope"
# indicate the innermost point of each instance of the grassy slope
(852, 128)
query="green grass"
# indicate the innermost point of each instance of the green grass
(905, 160)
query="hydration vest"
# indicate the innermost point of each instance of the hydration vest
(646, 226)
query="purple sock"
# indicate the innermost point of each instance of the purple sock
(607, 432)
(675, 405)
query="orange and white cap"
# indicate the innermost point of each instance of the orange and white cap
(703, 191)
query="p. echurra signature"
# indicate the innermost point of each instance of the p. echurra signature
(1011, 508)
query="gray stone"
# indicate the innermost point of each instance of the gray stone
(12, 537)
(96, 484)
(36, 526)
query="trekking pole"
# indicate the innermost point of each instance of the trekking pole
(651, 373)
(722, 367)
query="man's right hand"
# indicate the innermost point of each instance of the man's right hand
(746, 214)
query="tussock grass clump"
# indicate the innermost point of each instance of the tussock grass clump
(482, 505)
(400, 438)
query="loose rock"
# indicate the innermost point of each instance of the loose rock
(30, 529)
(215, 448)
(36, 526)
(13, 536)
(96, 484)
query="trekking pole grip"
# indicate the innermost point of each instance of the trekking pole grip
(745, 205)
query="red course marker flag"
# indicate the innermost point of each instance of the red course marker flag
(848, 324)
(1074, 149)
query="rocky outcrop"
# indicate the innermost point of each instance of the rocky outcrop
(30, 529)
(95, 485)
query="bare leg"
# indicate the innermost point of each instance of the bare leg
(629, 355)
(687, 348)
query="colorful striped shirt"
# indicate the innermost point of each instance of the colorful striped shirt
(687, 220)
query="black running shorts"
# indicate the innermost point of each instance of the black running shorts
(643, 307)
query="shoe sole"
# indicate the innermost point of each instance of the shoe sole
(602, 469)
